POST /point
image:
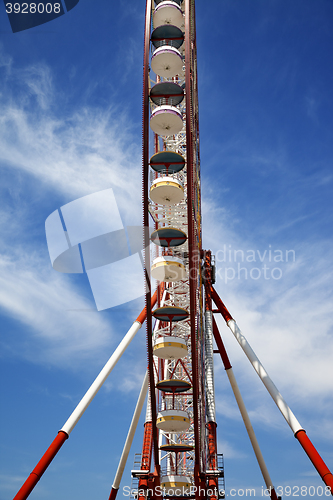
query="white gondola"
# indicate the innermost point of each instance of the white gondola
(166, 191)
(179, 2)
(172, 483)
(168, 12)
(166, 120)
(170, 348)
(168, 269)
(173, 420)
(167, 61)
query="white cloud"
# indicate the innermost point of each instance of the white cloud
(68, 155)
(5, 61)
(11, 482)
(230, 452)
(39, 81)
(74, 153)
(41, 299)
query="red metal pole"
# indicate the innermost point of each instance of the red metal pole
(147, 449)
(221, 307)
(145, 187)
(41, 467)
(220, 346)
(316, 459)
(213, 484)
(143, 314)
(113, 494)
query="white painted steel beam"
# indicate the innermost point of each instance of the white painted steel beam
(100, 379)
(249, 428)
(267, 381)
(209, 368)
(131, 433)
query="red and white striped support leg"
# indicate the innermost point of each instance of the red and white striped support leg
(63, 434)
(292, 421)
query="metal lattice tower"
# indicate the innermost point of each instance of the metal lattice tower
(176, 437)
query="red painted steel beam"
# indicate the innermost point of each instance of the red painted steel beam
(315, 458)
(146, 238)
(208, 280)
(220, 346)
(213, 482)
(220, 305)
(41, 467)
(113, 494)
(143, 314)
(193, 267)
(147, 448)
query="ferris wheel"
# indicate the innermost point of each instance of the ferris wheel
(175, 423)
(179, 457)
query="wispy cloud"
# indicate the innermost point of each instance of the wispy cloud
(44, 147)
(38, 78)
(230, 452)
(11, 482)
(40, 300)
(75, 153)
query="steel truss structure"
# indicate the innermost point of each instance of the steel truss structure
(176, 467)
(179, 456)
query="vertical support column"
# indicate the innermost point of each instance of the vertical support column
(209, 374)
(147, 448)
(146, 238)
(210, 406)
(213, 483)
(193, 253)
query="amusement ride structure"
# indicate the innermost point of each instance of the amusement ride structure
(179, 456)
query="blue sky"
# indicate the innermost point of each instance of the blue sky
(70, 125)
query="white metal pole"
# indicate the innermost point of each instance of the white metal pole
(160, 442)
(209, 369)
(131, 433)
(267, 381)
(100, 379)
(249, 428)
(156, 327)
